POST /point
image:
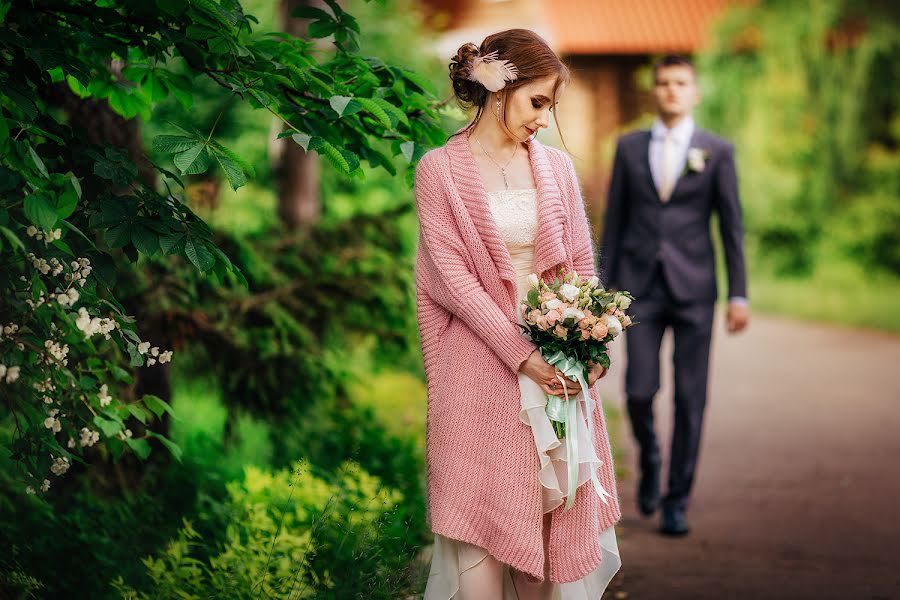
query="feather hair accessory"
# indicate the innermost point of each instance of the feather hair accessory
(491, 72)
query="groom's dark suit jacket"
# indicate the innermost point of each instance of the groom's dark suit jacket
(640, 230)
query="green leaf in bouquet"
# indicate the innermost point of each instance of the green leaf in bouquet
(533, 299)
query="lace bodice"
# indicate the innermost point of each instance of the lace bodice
(515, 213)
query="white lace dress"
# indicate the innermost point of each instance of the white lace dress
(515, 213)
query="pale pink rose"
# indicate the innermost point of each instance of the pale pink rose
(541, 323)
(547, 296)
(585, 333)
(585, 323)
(588, 314)
(560, 332)
(552, 317)
(599, 331)
(532, 316)
(619, 313)
(626, 321)
(525, 308)
(611, 309)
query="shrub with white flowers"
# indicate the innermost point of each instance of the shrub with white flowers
(70, 209)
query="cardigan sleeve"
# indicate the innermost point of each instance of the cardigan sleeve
(448, 279)
(582, 247)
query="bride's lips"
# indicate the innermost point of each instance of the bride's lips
(530, 131)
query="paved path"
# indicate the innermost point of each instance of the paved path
(798, 488)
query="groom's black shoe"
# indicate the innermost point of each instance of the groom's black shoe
(648, 490)
(674, 521)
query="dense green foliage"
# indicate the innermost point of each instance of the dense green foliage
(809, 93)
(336, 103)
(279, 335)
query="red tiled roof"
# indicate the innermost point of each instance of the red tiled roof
(631, 26)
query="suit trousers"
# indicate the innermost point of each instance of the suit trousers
(691, 324)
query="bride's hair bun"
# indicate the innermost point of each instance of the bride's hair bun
(469, 93)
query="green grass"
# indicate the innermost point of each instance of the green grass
(837, 292)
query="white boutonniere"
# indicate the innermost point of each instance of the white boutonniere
(696, 160)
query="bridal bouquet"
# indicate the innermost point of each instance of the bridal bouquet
(572, 320)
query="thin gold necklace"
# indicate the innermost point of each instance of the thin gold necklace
(499, 166)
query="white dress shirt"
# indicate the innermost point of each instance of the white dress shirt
(681, 141)
(681, 134)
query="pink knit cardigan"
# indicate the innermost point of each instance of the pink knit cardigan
(482, 463)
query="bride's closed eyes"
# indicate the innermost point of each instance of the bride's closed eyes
(541, 101)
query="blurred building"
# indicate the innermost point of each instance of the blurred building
(606, 42)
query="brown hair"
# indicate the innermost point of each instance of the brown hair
(525, 49)
(672, 60)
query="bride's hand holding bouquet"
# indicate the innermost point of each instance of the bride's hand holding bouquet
(572, 321)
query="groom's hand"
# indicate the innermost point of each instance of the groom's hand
(737, 316)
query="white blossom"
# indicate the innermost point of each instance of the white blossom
(154, 351)
(88, 438)
(12, 374)
(104, 396)
(45, 485)
(30, 491)
(44, 386)
(58, 352)
(151, 362)
(143, 347)
(165, 356)
(83, 320)
(71, 443)
(124, 435)
(53, 424)
(60, 466)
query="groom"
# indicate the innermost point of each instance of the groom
(666, 183)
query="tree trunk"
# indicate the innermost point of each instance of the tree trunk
(299, 203)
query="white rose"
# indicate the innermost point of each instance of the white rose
(593, 282)
(569, 292)
(613, 324)
(696, 159)
(533, 281)
(623, 302)
(553, 304)
(572, 313)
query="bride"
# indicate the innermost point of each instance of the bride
(495, 205)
